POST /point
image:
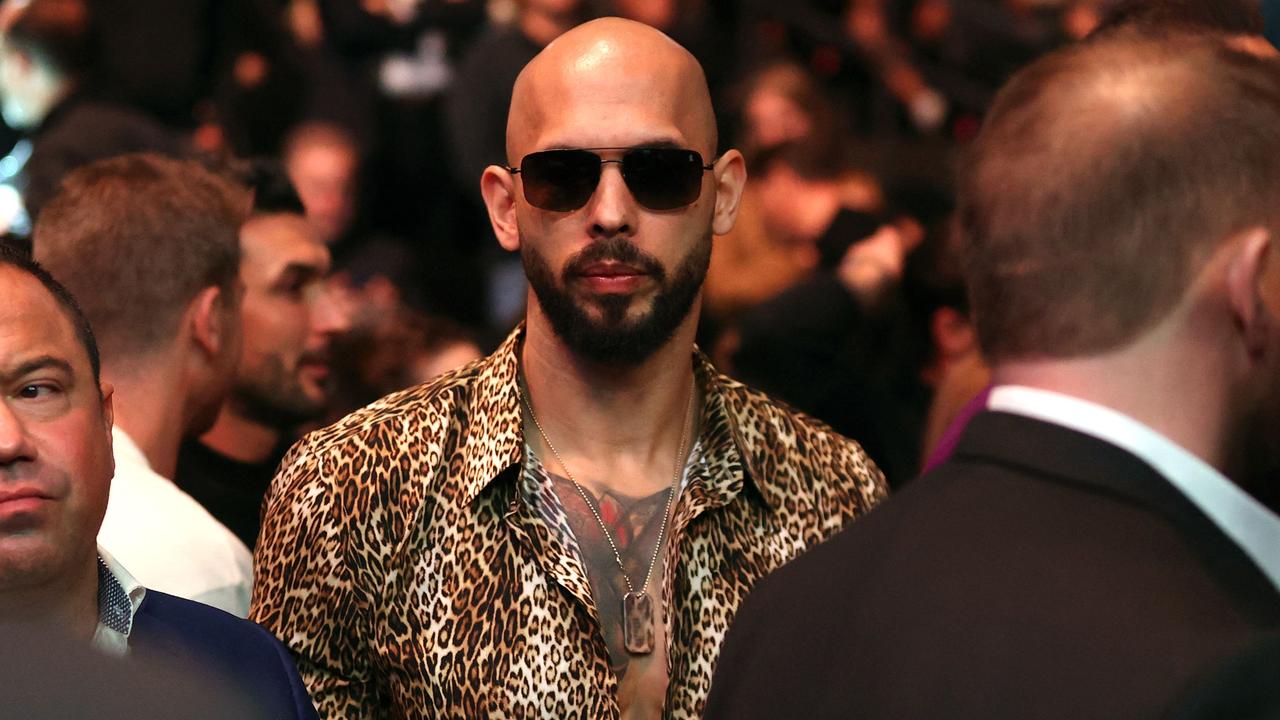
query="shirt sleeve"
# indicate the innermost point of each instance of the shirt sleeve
(306, 588)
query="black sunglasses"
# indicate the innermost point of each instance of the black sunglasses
(659, 178)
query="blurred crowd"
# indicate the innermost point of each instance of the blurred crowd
(836, 291)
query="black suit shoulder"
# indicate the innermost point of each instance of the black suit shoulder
(991, 588)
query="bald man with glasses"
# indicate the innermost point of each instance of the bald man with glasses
(565, 528)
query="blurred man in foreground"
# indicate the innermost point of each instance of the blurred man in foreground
(1083, 554)
(55, 473)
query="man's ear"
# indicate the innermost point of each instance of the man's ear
(1251, 262)
(108, 409)
(210, 322)
(731, 177)
(498, 187)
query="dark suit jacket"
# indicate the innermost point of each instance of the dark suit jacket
(238, 653)
(1040, 573)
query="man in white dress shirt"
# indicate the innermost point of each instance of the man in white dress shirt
(1083, 554)
(150, 247)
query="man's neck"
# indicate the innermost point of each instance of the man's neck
(149, 408)
(1184, 401)
(619, 427)
(69, 604)
(240, 438)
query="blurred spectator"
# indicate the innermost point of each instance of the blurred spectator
(150, 247)
(938, 304)
(783, 103)
(481, 93)
(323, 162)
(224, 65)
(841, 346)
(793, 196)
(393, 348)
(44, 60)
(289, 320)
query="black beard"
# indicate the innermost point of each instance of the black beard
(273, 399)
(613, 339)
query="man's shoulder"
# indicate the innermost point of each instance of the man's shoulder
(766, 424)
(793, 457)
(235, 650)
(412, 417)
(197, 624)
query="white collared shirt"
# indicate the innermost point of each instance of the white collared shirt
(1254, 528)
(168, 540)
(119, 597)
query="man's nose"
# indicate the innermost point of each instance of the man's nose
(15, 444)
(612, 208)
(331, 311)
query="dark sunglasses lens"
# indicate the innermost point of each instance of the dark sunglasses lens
(663, 178)
(560, 180)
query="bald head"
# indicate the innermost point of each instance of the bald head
(591, 76)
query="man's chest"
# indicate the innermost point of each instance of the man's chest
(494, 611)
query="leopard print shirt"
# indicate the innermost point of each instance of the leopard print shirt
(413, 573)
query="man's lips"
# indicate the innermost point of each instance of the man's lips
(22, 493)
(612, 277)
(19, 500)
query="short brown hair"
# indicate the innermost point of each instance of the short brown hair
(135, 238)
(1104, 176)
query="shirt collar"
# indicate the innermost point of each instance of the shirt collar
(119, 597)
(126, 450)
(495, 441)
(1254, 528)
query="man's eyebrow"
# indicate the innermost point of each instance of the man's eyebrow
(44, 362)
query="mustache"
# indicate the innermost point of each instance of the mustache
(615, 249)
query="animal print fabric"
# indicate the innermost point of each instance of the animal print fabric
(414, 574)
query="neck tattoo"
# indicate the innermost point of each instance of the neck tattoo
(637, 605)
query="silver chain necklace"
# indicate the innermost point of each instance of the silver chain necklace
(637, 606)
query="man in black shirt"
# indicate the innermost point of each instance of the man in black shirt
(290, 320)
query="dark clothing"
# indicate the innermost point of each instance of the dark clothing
(241, 653)
(1040, 573)
(1244, 688)
(80, 130)
(480, 99)
(817, 348)
(230, 490)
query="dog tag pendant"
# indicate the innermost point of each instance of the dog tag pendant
(637, 623)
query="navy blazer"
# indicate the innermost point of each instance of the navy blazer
(239, 653)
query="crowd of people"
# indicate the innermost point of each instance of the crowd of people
(346, 358)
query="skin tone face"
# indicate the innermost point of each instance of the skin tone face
(289, 320)
(325, 177)
(55, 443)
(652, 93)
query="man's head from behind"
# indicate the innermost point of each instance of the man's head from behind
(614, 188)
(55, 433)
(44, 49)
(150, 246)
(290, 318)
(1125, 194)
